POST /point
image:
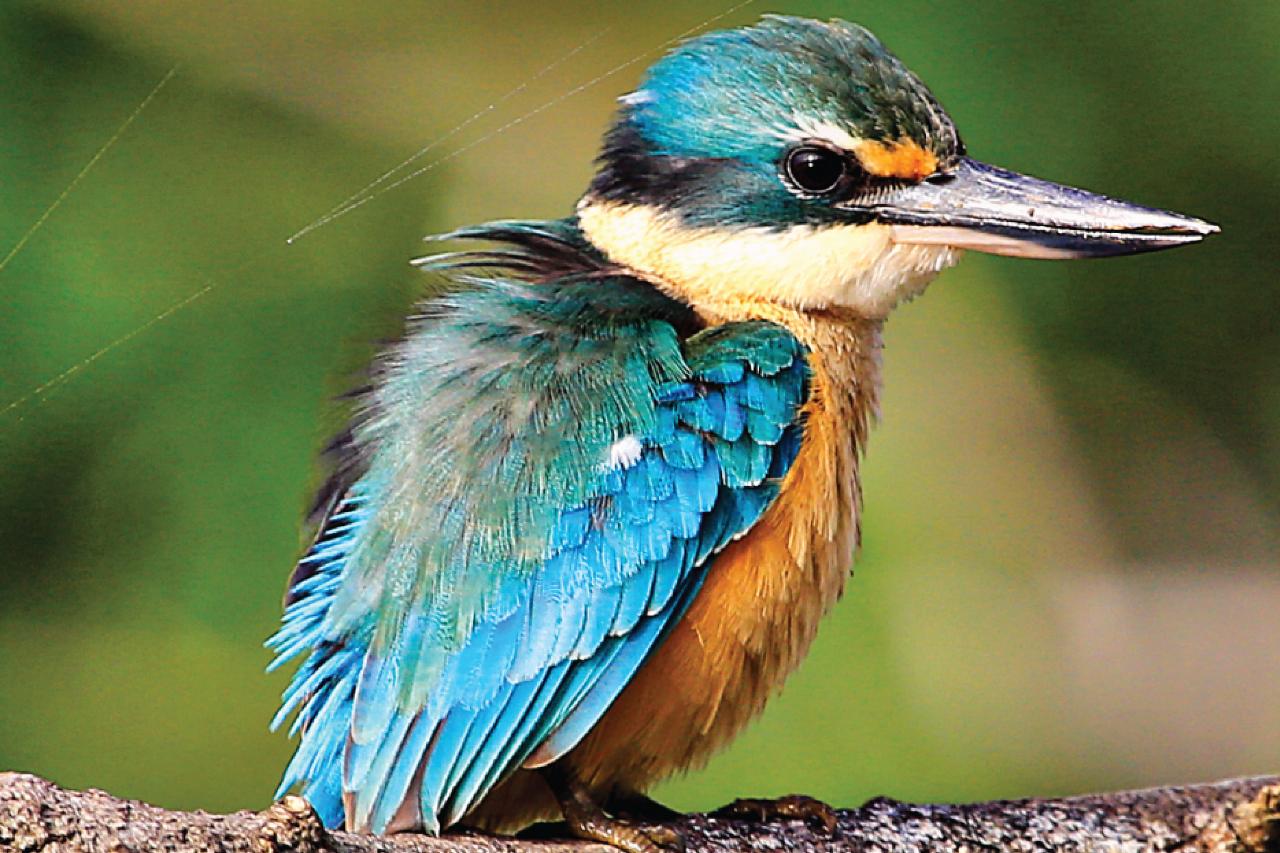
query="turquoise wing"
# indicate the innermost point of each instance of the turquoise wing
(502, 565)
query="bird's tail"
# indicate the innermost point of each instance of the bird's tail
(323, 689)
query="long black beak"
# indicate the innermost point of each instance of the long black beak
(975, 206)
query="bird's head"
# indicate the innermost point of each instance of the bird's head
(799, 163)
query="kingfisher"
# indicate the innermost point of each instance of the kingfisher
(591, 507)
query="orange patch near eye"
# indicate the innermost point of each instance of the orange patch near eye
(902, 159)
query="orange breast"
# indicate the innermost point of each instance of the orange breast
(758, 610)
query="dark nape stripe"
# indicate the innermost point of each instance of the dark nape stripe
(630, 172)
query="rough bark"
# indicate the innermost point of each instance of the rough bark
(1240, 816)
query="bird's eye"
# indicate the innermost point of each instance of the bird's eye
(814, 169)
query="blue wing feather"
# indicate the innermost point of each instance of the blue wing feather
(491, 582)
(494, 758)
(590, 706)
(397, 780)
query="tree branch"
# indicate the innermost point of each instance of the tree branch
(1238, 816)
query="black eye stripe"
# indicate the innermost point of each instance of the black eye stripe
(815, 168)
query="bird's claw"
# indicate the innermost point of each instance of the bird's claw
(630, 836)
(793, 807)
(585, 819)
(667, 838)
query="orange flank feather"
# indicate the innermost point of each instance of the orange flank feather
(758, 610)
(904, 159)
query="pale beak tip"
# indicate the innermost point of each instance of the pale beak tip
(1190, 225)
(1188, 229)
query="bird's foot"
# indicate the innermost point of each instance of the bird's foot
(586, 820)
(628, 836)
(795, 807)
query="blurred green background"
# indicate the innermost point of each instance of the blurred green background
(1069, 579)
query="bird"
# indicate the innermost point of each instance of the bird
(589, 509)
